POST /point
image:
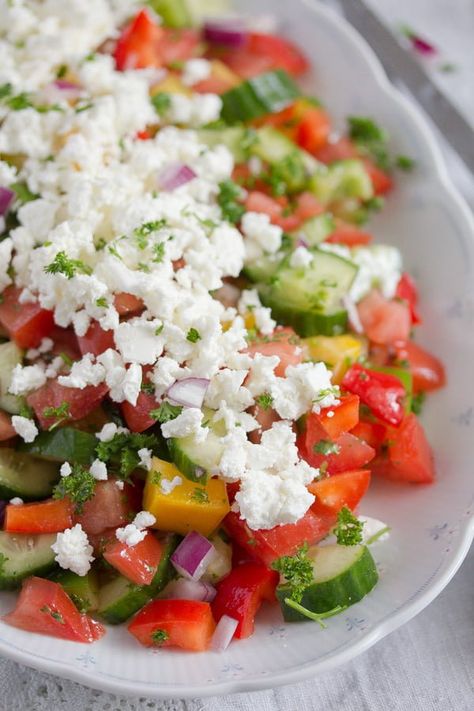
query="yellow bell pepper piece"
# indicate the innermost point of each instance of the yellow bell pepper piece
(171, 84)
(219, 70)
(338, 352)
(189, 506)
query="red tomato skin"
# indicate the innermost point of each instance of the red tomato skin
(384, 322)
(65, 343)
(128, 304)
(345, 417)
(352, 454)
(350, 235)
(96, 340)
(428, 372)
(263, 53)
(45, 608)
(334, 492)
(307, 206)
(382, 392)
(259, 202)
(188, 624)
(406, 289)
(240, 594)
(268, 545)
(408, 456)
(108, 508)
(382, 183)
(49, 516)
(265, 418)
(137, 46)
(137, 416)
(52, 394)
(6, 428)
(371, 432)
(138, 563)
(285, 344)
(313, 130)
(26, 324)
(178, 45)
(342, 149)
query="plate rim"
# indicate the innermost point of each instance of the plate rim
(432, 588)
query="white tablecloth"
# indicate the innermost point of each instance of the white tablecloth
(427, 665)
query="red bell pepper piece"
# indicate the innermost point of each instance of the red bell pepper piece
(49, 516)
(406, 290)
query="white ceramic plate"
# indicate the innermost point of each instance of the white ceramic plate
(432, 526)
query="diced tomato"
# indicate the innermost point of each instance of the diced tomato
(247, 64)
(127, 304)
(137, 46)
(240, 594)
(45, 608)
(178, 45)
(283, 343)
(142, 136)
(350, 235)
(384, 322)
(65, 343)
(371, 432)
(108, 508)
(334, 492)
(347, 453)
(407, 455)
(53, 395)
(96, 340)
(382, 183)
(188, 624)
(100, 541)
(44, 517)
(427, 371)
(6, 428)
(138, 563)
(265, 418)
(342, 149)
(137, 417)
(263, 53)
(406, 289)
(268, 545)
(382, 392)
(344, 417)
(259, 202)
(313, 130)
(307, 206)
(26, 324)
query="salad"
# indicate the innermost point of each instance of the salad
(204, 356)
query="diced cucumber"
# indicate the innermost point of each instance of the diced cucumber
(64, 444)
(263, 268)
(200, 9)
(119, 599)
(342, 179)
(174, 12)
(23, 555)
(343, 575)
(315, 230)
(262, 94)
(272, 147)
(404, 376)
(238, 139)
(24, 476)
(10, 356)
(309, 298)
(82, 589)
(196, 460)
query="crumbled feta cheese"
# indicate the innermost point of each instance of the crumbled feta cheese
(372, 527)
(187, 423)
(301, 257)
(98, 470)
(16, 501)
(25, 427)
(137, 341)
(135, 532)
(306, 386)
(265, 237)
(120, 484)
(195, 70)
(26, 378)
(73, 550)
(168, 486)
(83, 373)
(145, 456)
(109, 430)
(65, 469)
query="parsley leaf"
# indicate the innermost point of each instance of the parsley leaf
(144, 231)
(298, 571)
(102, 302)
(315, 616)
(325, 446)
(60, 413)
(159, 252)
(417, 402)
(265, 400)
(370, 139)
(79, 486)
(23, 193)
(165, 412)
(349, 529)
(62, 264)
(228, 201)
(122, 450)
(200, 496)
(159, 636)
(193, 335)
(161, 103)
(405, 163)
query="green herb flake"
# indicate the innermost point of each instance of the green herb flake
(200, 496)
(417, 402)
(228, 200)
(159, 637)
(142, 233)
(53, 613)
(161, 103)
(3, 559)
(349, 529)
(122, 450)
(370, 139)
(59, 413)
(158, 252)
(326, 447)
(62, 264)
(405, 163)
(265, 401)
(165, 412)
(193, 335)
(79, 487)
(297, 570)
(102, 302)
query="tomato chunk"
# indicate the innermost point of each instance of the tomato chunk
(137, 417)
(382, 392)
(342, 454)
(128, 304)
(241, 593)
(96, 340)
(342, 149)
(384, 322)
(381, 181)
(80, 403)
(45, 608)
(332, 421)
(283, 343)
(371, 432)
(49, 516)
(137, 46)
(350, 235)
(313, 130)
(427, 371)
(407, 455)
(6, 428)
(108, 508)
(138, 563)
(406, 289)
(188, 624)
(345, 489)
(26, 324)
(264, 52)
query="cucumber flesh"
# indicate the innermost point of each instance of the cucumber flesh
(262, 94)
(237, 139)
(315, 230)
(175, 13)
(82, 589)
(342, 179)
(200, 9)
(24, 555)
(263, 268)
(196, 460)
(10, 356)
(24, 476)
(272, 147)
(64, 444)
(343, 575)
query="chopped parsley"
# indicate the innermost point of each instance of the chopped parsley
(159, 329)
(122, 450)
(370, 139)
(315, 616)
(158, 252)
(265, 400)
(228, 200)
(62, 264)
(156, 477)
(161, 103)
(59, 413)
(3, 559)
(200, 496)
(5, 90)
(144, 231)
(325, 446)
(23, 193)
(417, 402)
(405, 163)
(79, 487)
(54, 614)
(297, 570)
(147, 387)
(193, 335)
(26, 411)
(165, 412)
(349, 529)
(159, 637)
(102, 302)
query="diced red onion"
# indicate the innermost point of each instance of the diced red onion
(419, 44)
(65, 85)
(7, 197)
(193, 555)
(352, 314)
(183, 589)
(223, 633)
(302, 243)
(62, 89)
(189, 392)
(227, 31)
(175, 175)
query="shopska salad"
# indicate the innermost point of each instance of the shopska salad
(205, 358)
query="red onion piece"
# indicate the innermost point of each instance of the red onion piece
(175, 175)
(183, 589)
(223, 633)
(65, 85)
(193, 555)
(419, 44)
(227, 31)
(7, 197)
(302, 243)
(189, 392)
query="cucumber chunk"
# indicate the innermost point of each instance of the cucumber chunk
(272, 147)
(237, 139)
(119, 599)
(23, 555)
(82, 589)
(10, 356)
(196, 460)
(263, 94)
(315, 230)
(64, 444)
(200, 9)
(263, 268)
(174, 12)
(309, 298)
(343, 575)
(25, 476)
(342, 179)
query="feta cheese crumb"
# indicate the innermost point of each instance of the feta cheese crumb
(109, 430)
(196, 70)
(168, 486)
(26, 378)
(120, 484)
(135, 532)
(83, 373)
(98, 470)
(25, 427)
(187, 423)
(65, 469)
(301, 257)
(16, 501)
(73, 550)
(145, 458)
